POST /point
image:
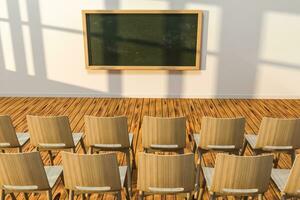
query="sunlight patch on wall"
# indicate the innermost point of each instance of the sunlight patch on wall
(7, 47)
(280, 39)
(269, 81)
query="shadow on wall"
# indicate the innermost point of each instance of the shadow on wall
(114, 77)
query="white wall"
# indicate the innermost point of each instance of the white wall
(253, 50)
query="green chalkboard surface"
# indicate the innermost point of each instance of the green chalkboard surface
(142, 39)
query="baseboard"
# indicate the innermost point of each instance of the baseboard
(204, 96)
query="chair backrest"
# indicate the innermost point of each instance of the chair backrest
(166, 173)
(8, 137)
(279, 132)
(222, 132)
(292, 186)
(47, 130)
(22, 171)
(98, 172)
(241, 174)
(106, 130)
(163, 131)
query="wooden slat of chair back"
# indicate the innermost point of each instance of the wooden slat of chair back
(173, 172)
(7, 132)
(279, 132)
(106, 130)
(222, 131)
(163, 131)
(50, 129)
(23, 169)
(92, 170)
(292, 186)
(241, 172)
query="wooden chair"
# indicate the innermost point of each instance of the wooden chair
(288, 180)
(110, 134)
(8, 136)
(165, 174)
(239, 176)
(164, 134)
(219, 135)
(277, 136)
(50, 133)
(27, 175)
(97, 173)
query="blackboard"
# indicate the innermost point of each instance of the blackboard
(142, 40)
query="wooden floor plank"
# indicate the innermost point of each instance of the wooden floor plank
(194, 109)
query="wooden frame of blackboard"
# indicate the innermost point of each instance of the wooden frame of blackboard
(197, 65)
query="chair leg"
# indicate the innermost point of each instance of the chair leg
(71, 195)
(181, 151)
(133, 158)
(201, 190)
(198, 170)
(20, 149)
(82, 145)
(73, 150)
(276, 160)
(198, 177)
(212, 196)
(141, 195)
(91, 150)
(26, 196)
(49, 194)
(260, 196)
(2, 194)
(51, 157)
(293, 156)
(190, 196)
(119, 196)
(127, 192)
(13, 197)
(243, 147)
(129, 172)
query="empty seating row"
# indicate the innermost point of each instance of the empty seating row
(158, 134)
(86, 174)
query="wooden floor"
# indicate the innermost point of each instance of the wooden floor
(135, 109)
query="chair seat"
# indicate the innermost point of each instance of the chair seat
(123, 171)
(130, 136)
(213, 147)
(251, 139)
(77, 137)
(53, 173)
(280, 177)
(208, 175)
(23, 138)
